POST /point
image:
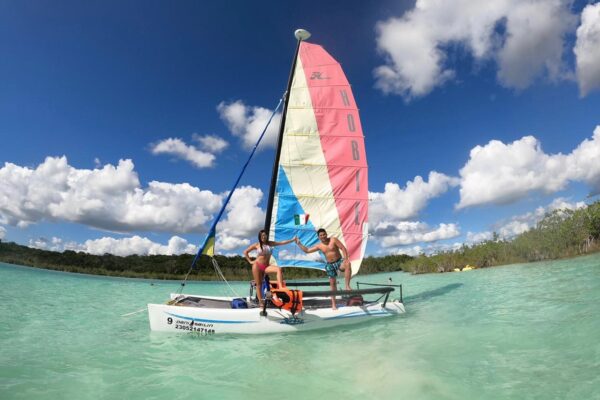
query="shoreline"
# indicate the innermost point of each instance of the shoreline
(207, 275)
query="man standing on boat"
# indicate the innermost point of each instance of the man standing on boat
(336, 256)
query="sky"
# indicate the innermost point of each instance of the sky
(123, 124)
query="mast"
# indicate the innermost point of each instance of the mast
(300, 35)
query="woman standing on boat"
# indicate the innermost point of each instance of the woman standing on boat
(260, 265)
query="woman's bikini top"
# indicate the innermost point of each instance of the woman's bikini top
(266, 251)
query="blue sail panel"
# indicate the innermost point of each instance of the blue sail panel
(292, 220)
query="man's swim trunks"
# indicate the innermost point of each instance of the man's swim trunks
(333, 267)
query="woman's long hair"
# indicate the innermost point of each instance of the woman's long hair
(260, 242)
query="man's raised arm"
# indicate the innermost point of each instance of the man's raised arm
(304, 248)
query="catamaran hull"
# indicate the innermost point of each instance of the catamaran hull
(205, 321)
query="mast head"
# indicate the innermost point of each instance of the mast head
(302, 34)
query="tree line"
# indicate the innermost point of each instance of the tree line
(560, 234)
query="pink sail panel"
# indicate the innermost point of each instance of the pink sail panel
(342, 142)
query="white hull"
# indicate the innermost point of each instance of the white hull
(210, 321)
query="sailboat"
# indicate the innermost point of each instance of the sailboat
(319, 180)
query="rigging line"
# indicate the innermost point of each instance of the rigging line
(134, 312)
(218, 269)
(211, 232)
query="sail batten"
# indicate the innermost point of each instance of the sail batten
(322, 167)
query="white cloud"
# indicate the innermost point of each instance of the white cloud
(225, 242)
(298, 254)
(178, 245)
(243, 221)
(561, 203)
(42, 243)
(112, 199)
(396, 204)
(525, 37)
(176, 147)
(522, 223)
(211, 143)
(109, 198)
(408, 232)
(413, 251)
(499, 173)
(583, 162)
(534, 42)
(477, 237)
(587, 49)
(2, 232)
(428, 249)
(502, 173)
(119, 247)
(390, 210)
(136, 245)
(248, 122)
(513, 228)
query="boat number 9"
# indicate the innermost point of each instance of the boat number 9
(169, 320)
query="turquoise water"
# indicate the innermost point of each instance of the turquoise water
(516, 332)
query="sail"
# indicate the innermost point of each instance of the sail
(208, 247)
(322, 173)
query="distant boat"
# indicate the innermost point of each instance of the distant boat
(319, 180)
(465, 268)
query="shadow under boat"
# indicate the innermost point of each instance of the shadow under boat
(429, 294)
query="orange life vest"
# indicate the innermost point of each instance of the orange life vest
(287, 299)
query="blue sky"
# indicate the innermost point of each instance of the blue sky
(477, 117)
